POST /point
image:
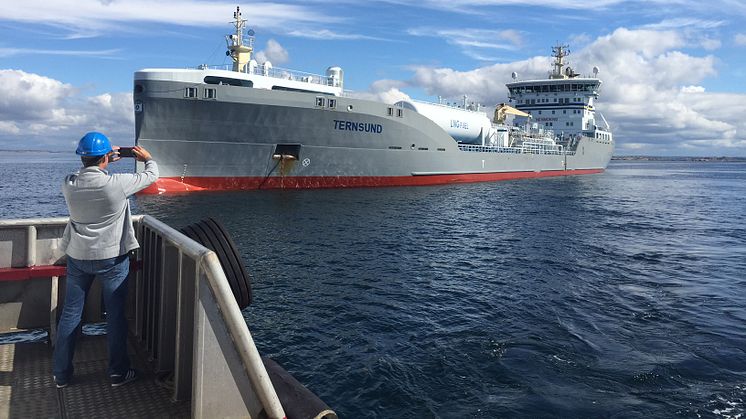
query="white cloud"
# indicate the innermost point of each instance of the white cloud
(39, 111)
(732, 7)
(696, 31)
(468, 6)
(692, 89)
(474, 42)
(386, 91)
(327, 35)
(273, 52)
(685, 22)
(86, 18)
(652, 94)
(485, 84)
(740, 39)
(710, 44)
(106, 53)
(9, 127)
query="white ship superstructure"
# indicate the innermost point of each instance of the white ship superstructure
(564, 103)
(250, 125)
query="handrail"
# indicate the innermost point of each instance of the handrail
(22, 222)
(208, 261)
(245, 346)
(277, 73)
(513, 150)
(163, 248)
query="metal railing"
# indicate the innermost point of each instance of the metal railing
(186, 317)
(529, 149)
(278, 73)
(190, 324)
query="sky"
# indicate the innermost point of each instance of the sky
(673, 71)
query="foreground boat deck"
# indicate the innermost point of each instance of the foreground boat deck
(27, 389)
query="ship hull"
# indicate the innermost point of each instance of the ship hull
(231, 143)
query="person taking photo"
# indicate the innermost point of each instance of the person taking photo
(97, 240)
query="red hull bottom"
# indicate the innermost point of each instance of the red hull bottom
(201, 184)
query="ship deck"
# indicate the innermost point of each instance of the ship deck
(27, 388)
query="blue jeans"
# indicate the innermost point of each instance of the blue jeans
(80, 274)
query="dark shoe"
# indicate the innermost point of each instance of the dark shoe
(60, 383)
(120, 380)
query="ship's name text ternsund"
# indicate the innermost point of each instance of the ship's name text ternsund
(357, 126)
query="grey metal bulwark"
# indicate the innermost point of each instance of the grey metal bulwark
(185, 314)
(190, 324)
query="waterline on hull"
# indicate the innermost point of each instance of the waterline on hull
(203, 184)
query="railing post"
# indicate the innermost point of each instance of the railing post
(184, 340)
(170, 272)
(54, 295)
(31, 246)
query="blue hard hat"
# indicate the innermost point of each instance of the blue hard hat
(93, 144)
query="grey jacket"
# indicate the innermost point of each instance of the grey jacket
(100, 225)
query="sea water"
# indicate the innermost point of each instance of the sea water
(613, 295)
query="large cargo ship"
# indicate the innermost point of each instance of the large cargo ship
(254, 126)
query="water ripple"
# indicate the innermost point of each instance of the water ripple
(619, 295)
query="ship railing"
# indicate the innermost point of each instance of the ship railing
(278, 73)
(488, 149)
(525, 148)
(455, 105)
(186, 317)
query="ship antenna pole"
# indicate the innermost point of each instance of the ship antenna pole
(240, 53)
(559, 52)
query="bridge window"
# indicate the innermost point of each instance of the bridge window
(228, 81)
(292, 89)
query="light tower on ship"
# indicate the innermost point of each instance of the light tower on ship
(240, 53)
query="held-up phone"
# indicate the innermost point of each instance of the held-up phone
(126, 152)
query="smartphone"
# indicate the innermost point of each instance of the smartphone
(126, 152)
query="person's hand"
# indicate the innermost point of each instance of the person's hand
(141, 154)
(114, 155)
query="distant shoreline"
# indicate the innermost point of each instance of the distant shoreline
(5, 150)
(718, 159)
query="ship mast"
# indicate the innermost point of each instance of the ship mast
(559, 53)
(240, 53)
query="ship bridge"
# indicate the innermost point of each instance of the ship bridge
(563, 102)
